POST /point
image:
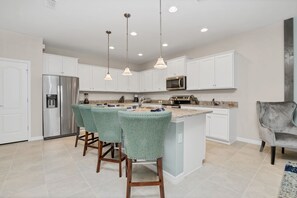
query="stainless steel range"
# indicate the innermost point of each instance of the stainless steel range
(176, 101)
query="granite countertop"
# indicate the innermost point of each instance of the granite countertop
(177, 113)
(210, 106)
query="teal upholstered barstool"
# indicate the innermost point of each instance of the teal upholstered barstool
(144, 134)
(79, 123)
(109, 131)
(89, 125)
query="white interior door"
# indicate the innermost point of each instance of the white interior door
(13, 101)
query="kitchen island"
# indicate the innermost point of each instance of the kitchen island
(184, 147)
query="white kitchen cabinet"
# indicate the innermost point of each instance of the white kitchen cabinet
(159, 80)
(91, 78)
(146, 81)
(111, 85)
(85, 77)
(220, 124)
(192, 75)
(134, 82)
(98, 74)
(123, 82)
(176, 67)
(69, 66)
(216, 72)
(224, 71)
(59, 65)
(206, 73)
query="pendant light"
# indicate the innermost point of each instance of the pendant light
(160, 62)
(108, 76)
(127, 71)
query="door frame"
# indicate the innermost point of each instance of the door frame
(28, 63)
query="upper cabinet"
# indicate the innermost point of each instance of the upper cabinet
(134, 82)
(59, 65)
(177, 67)
(159, 80)
(91, 78)
(146, 81)
(212, 72)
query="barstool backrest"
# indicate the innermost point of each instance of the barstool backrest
(87, 117)
(107, 123)
(144, 133)
(77, 115)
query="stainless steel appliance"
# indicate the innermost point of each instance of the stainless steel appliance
(176, 101)
(176, 83)
(59, 93)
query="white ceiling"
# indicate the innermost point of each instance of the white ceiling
(81, 24)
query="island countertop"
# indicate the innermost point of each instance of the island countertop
(177, 113)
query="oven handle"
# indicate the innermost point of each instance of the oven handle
(179, 83)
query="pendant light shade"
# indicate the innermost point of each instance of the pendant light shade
(108, 76)
(127, 71)
(160, 62)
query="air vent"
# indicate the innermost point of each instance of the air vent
(50, 4)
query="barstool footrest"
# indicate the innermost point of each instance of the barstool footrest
(150, 183)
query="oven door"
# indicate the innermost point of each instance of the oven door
(176, 83)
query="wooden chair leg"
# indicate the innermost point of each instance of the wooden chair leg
(126, 160)
(160, 174)
(262, 146)
(112, 151)
(129, 178)
(77, 136)
(120, 158)
(99, 155)
(86, 143)
(283, 150)
(272, 154)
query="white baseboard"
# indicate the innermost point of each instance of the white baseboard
(35, 138)
(250, 141)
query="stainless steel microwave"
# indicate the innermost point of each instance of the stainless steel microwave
(176, 83)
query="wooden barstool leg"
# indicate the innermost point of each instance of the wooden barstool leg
(77, 136)
(86, 143)
(126, 166)
(93, 136)
(120, 158)
(160, 174)
(99, 155)
(112, 151)
(129, 178)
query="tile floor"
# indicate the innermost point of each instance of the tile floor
(54, 168)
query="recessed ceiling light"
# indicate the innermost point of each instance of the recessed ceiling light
(204, 30)
(165, 45)
(133, 34)
(140, 54)
(111, 47)
(172, 9)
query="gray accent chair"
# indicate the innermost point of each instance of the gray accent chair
(276, 125)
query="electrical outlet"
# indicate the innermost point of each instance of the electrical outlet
(179, 138)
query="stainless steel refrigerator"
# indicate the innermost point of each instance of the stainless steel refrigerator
(59, 93)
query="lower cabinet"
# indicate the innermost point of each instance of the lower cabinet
(220, 124)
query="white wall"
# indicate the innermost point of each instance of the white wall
(260, 73)
(19, 46)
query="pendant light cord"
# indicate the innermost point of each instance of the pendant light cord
(161, 53)
(127, 16)
(108, 33)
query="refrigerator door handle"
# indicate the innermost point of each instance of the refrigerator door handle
(61, 99)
